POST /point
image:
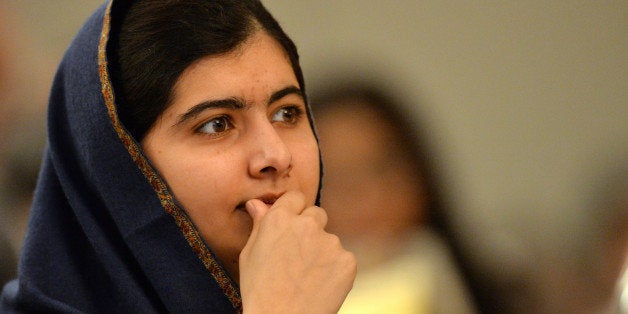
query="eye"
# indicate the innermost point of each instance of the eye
(289, 115)
(215, 126)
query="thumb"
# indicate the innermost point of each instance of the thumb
(257, 210)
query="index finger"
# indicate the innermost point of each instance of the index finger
(292, 201)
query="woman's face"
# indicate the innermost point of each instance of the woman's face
(236, 130)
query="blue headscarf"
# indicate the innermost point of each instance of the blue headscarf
(105, 233)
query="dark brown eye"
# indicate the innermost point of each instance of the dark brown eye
(216, 125)
(289, 115)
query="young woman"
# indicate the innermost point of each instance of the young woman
(182, 171)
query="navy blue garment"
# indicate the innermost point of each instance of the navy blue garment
(105, 234)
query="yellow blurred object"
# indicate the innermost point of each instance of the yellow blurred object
(421, 279)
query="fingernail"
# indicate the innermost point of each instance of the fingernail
(250, 207)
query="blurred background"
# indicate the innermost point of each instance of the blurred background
(525, 105)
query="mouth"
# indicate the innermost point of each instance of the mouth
(268, 199)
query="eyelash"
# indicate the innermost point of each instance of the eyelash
(228, 124)
(296, 111)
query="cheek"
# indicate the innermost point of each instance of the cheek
(306, 164)
(201, 183)
(208, 188)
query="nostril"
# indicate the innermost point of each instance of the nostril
(270, 162)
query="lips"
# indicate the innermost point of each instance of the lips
(269, 200)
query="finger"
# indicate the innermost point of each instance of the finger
(257, 210)
(292, 201)
(319, 215)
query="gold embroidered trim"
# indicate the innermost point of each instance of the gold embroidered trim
(181, 218)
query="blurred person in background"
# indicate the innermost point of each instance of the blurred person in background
(382, 199)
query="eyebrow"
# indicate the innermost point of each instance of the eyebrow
(234, 103)
(285, 92)
(228, 103)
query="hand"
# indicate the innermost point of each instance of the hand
(290, 264)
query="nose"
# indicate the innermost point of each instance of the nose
(270, 156)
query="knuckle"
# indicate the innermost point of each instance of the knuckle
(350, 259)
(320, 212)
(335, 241)
(349, 262)
(308, 227)
(309, 221)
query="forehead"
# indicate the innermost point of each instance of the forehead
(258, 60)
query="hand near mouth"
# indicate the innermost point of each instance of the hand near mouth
(290, 263)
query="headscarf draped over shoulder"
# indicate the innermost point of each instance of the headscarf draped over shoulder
(105, 233)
